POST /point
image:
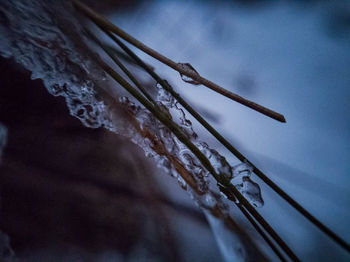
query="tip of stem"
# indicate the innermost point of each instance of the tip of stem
(282, 119)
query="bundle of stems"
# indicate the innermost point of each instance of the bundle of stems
(231, 192)
(224, 185)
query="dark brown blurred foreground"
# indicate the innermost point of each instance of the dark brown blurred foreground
(67, 186)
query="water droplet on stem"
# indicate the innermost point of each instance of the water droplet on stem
(188, 67)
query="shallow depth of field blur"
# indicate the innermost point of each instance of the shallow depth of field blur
(293, 57)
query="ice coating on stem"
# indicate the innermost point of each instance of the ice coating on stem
(243, 182)
(188, 67)
(167, 101)
(222, 167)
(242, 169)
(164, 97)
(251, 191)
(160, 143)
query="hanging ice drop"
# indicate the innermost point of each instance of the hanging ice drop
(188, 67)
(251, 191)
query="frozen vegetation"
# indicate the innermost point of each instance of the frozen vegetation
(46, 38)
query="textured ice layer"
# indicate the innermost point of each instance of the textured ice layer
(46, 38)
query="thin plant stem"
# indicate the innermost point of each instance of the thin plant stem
(103, 22)
(233, 150)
